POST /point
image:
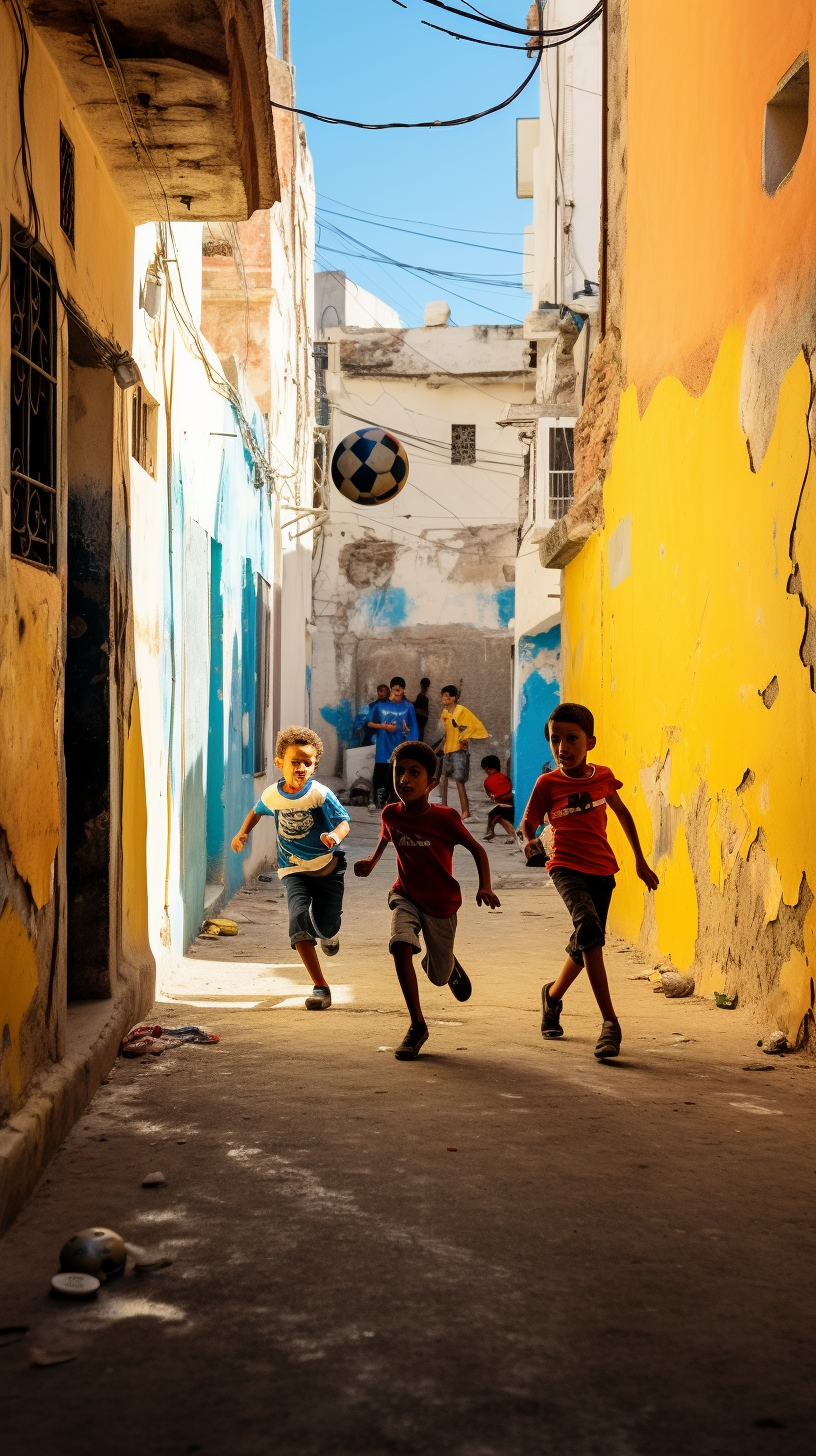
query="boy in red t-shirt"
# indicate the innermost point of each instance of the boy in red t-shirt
(498, 787)
(425, 896)
(582, 866)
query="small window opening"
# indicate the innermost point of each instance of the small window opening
(143, 430)
(786, 120)
(562, 470)
(463, 444)
(67, 190)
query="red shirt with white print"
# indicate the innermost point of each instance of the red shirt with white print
(425, 845)
(576, 809)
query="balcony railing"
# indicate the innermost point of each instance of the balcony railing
(560, 493)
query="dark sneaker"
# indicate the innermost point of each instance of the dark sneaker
(609, 1041)
(330, 947)
(409, 1048)
(550, 1014)
(460, 982)
(319, 999)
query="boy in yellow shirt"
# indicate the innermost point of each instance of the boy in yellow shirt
(460, 726)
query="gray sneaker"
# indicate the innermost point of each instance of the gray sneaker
(550, 1014)
(319, 999)
(609, 1041)
(330, 947)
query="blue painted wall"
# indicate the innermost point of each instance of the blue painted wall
(538, 669)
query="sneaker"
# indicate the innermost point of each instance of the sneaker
(551, 1014)
(319, 999)
(409, 1048)
(460, 982)
(330, 947)
(609, 1041)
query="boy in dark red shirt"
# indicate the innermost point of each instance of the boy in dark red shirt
(425, 896)
(582, 866)
(498, 787)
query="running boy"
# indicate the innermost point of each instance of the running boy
(391, 722)
(460, 726)
(310, 823)
(425, 896)
(582, 866)
(498, 787)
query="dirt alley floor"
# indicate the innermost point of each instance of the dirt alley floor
(615, 1259)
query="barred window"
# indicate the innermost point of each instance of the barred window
(33, 413)
(67, 189)
(143, 430)
(321, 362)
(562, 470)
(463, 444)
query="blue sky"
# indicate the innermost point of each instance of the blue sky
(374, 61)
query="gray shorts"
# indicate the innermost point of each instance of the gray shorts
(456, 766)
(407, 920)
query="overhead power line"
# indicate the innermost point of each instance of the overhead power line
(459, 242)
(418, 222)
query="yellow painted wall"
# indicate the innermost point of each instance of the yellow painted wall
(18, 985)
(673, 660)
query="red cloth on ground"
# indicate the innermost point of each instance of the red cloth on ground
(425, 845)
(499, 787)
(576, 809)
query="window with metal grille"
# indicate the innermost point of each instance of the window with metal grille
(143, 430)
(562, 470)
(67, 191)
(33, 412)
(463, 444)
(321, 361)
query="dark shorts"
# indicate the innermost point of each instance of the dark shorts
(502, 811)
(382, 784)
(315, 903)
(587, 898)
(456, 765)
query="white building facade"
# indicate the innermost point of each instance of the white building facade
(424, 584)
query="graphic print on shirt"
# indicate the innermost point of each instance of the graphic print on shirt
(577, 804)
(295, 823)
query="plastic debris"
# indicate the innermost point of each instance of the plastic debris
(154, 1180)
(75, 1286)
(266, 879)
(451, 1150)
(41, 1357)
(218, 926)
(674, 983)
(97, 1251)
(776, 1045)
(723, 999)
(144, 1040)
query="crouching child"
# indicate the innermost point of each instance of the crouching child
(310, 824)
(425, 897)
(582, 866)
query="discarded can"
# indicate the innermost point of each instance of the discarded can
(97, 1251)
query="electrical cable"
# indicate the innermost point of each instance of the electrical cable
(458, 242)
(413, 125)
(417, 222)
(477, 17)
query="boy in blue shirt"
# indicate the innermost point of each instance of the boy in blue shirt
(310, 824)
(392, 722)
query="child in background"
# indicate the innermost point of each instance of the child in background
(498, 787)
(582, 866)
(422, 707)
(425, 896)
(391, 722)
(460, 726)
(310, 823)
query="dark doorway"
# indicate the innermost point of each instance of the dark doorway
(87, 673)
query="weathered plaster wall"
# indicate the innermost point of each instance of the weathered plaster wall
(97, 272)
(424, 585)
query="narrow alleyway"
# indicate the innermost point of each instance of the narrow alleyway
(505, 1248)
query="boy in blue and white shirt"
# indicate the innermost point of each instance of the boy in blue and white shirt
(310, 823)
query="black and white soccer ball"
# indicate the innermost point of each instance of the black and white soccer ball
(369, 467)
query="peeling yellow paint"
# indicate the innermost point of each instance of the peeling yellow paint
(692, 638)
(29, 750)
(18, 986)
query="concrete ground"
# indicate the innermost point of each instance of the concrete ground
(503, 1249)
